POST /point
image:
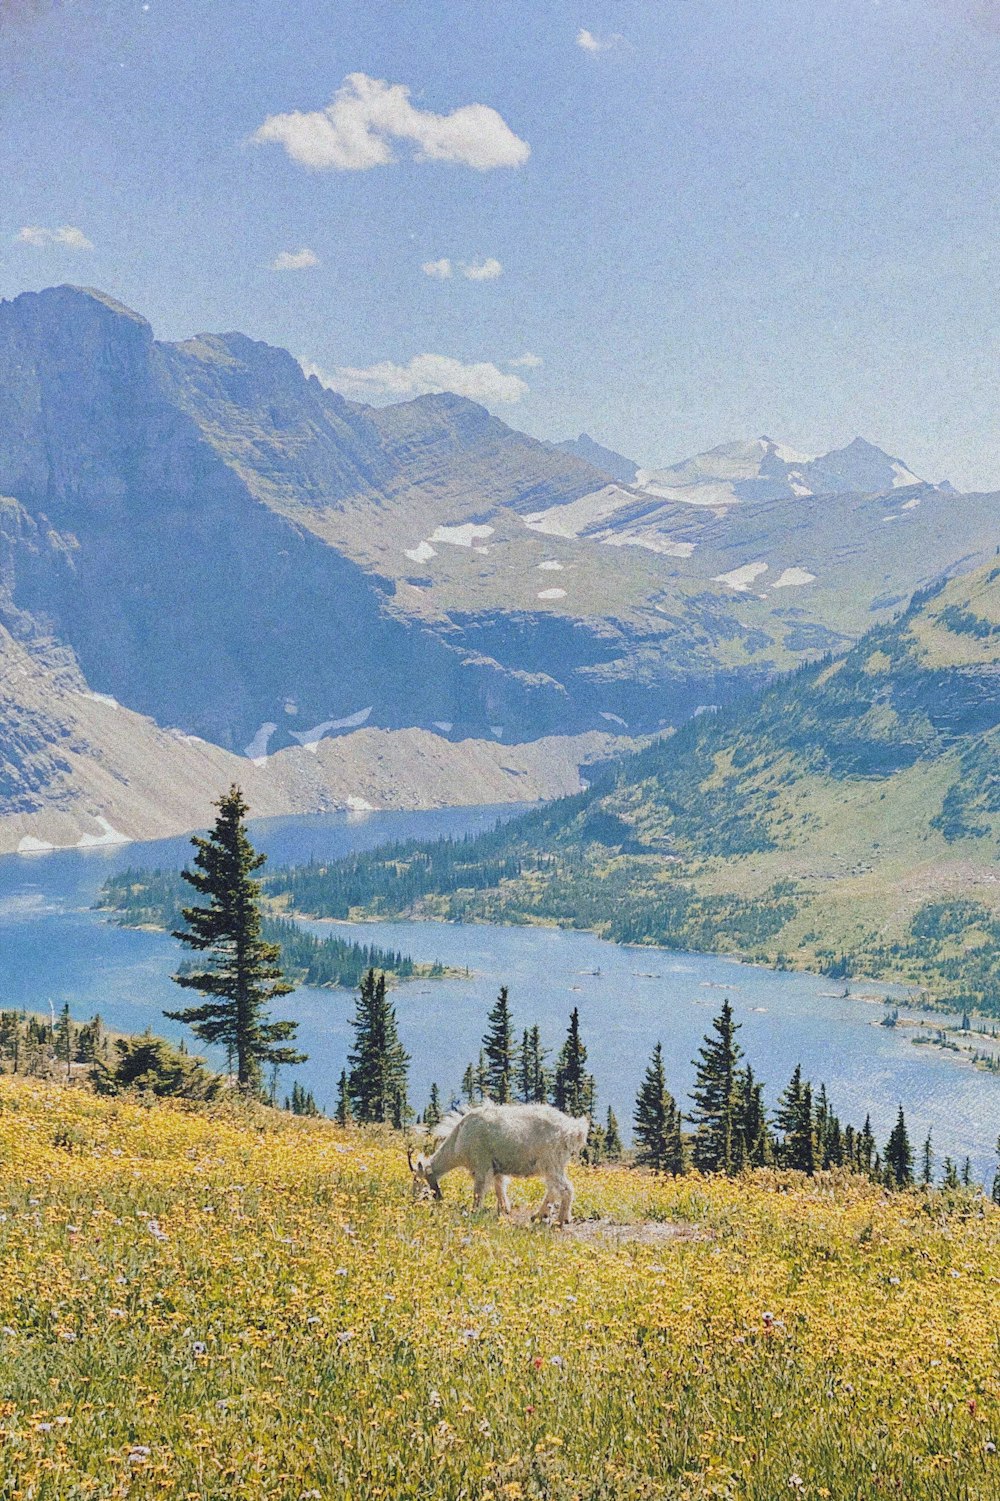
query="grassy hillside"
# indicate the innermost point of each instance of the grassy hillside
(848, 819)
(252, 1306)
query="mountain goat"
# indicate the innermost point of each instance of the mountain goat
(498, 1142)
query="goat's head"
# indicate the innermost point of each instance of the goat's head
(424, 1181)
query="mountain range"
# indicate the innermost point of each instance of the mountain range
(230, 551)
(849, 816)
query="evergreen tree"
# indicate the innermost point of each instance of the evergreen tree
(967, 1173)
(302, 1101)
(788, 1116)
(433, 1111)
(498, 1047)
(866, 1148)
(573, 1087)
(898, 1156)
(532, 1075)
(376, 1081)
(657, 1121)
(718, 1142)
(10, 1038)
(996, 1177)
(91, 1042)
(753, 1132)
(613, 1149)
(64, 1040)
(342, 1112)
(927, 1162)
(242, 974)
(949, 1174)
(152, 1066)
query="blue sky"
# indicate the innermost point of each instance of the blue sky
(715, 220)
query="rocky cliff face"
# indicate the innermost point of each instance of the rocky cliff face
(229, 549)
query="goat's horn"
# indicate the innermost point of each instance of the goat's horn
(409, 1159)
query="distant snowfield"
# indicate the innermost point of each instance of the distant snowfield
(256, 751)
(794, 577)
(422, 553)
(577, 516)
(466, 535)
(103, 698)
(310, 739)
(29, 845)
(552, 594)
(551, 566)
(108, 835)
(741, 578)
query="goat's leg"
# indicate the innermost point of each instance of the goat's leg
(550, 1199)
(480, 1183)
(500, 1183)
(565, 1202)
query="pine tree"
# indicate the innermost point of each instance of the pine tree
(718, 1143)
(532, 1075)
(91, 1041)
(242, 974)
(787, 1117)
(433, 1111)
(657, 1121)
(376, 1081)
(343, 1113)
(64, 1039)
(498, 1047)
(613, 1149)
(753, 1132)
(927, 1162)
(573, 1087)
(866, 1148)
(898, 1156)
(949, 1174)
(967, 1173)
(10, 1038)
(996, 1177)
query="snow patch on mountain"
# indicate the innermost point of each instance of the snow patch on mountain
(793, 578)
(741, 578)
(465, 535)
(422, 553)
(256, 751)
(310, 739)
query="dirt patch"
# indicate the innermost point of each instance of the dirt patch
(618, 1233)
(641, 1232)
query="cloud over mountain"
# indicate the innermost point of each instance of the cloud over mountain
(368, 116)
(67, 236)
(424, 375)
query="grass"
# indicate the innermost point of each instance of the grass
(226, 1305)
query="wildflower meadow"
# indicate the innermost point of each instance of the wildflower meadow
(230, 1302)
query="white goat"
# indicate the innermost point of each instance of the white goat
(498, 1142)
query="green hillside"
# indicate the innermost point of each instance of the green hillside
(848, 819)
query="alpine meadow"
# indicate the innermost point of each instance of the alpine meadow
(499, 751)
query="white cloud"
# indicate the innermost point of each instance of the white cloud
(423, 375)
(526, 361)
(295, 260)
(485, 270)
(592, 43)
(357, 129)
(68, 236)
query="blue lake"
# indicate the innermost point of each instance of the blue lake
(54, 948)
